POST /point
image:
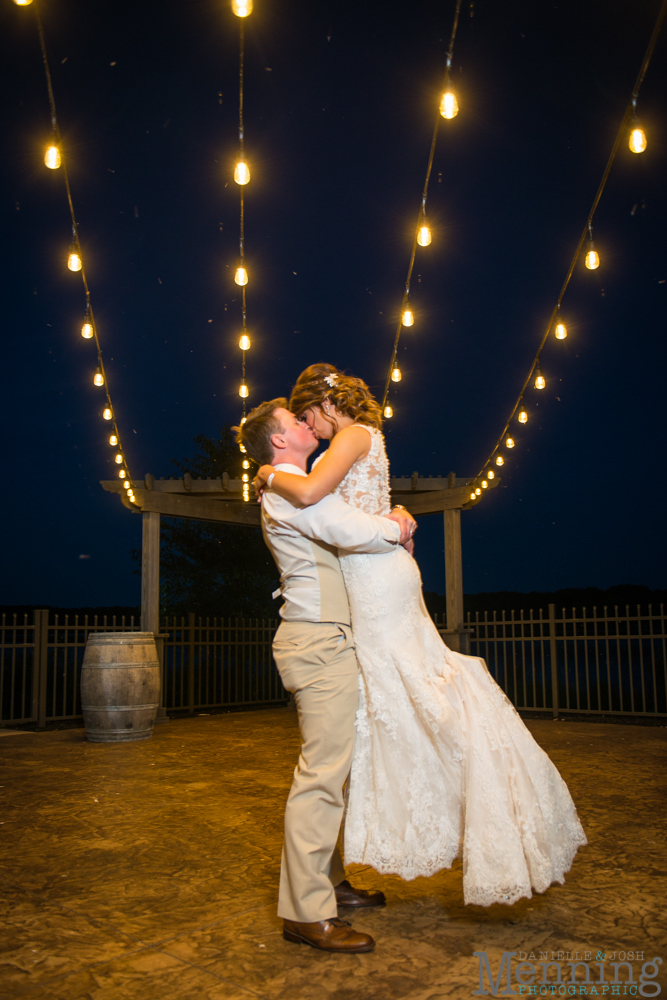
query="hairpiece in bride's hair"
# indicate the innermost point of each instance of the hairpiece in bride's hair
(331, 379)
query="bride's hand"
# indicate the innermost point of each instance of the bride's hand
(260, 480)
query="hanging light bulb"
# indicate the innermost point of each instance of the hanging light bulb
(98, 377)
(396, 374)
(509, 443)
(540, 381)
(388, 412)
(22, 3)
(592, 258)
(243, 391)
(478, 492)
(561, 330)
(87, 327)
(241, 273)
(244, 342)
(500, 460)
(490, 474)
(485, 485)
(523, 416)
(122, 473)
(242, 7)
(132, 498)
(246, 463)
(449, 106)
(118, 459)
(243, 420)
(473, 495)
(113, 440)
(52, 157)
(241, 171)
(127, 486)
(407, 317)
(423, 234)
(242, 448)
(637, 141)
(74, 259)
(245, 477)
(107, 413)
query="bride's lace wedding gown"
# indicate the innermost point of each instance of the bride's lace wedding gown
(443, 766)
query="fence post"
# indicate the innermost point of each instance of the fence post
(191, 663)
(554, 661)
(40, 666)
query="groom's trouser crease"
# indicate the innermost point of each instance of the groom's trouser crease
(317, 663)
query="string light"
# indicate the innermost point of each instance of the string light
(87, 327)
(113, 440)
(98, 377)
(243, 391)
(246, 463)
(388, 412)
(637, 140)
(241, 172)
(592, 257)
(485, 485)
(242, 7)
(540, 381)
(122, 473)
(473, 495)
(52, 157)
(118, 459)
(478, 491)
(499, 460)
(449, 106)
(22, 3)
(244, 342)
(422, 232)
(127, 485)
(396, 374)
(241, 273)
(561, 329)
(245, 477)
(490, 474)
(407, 316)
(509, 443)
(74, 261)
(107, 413)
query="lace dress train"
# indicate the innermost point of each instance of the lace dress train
(443, 766)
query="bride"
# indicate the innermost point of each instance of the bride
(443, 765)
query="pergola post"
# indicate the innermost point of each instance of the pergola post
(456, 635)
(150, 592)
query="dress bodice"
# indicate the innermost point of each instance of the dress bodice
(366, 485)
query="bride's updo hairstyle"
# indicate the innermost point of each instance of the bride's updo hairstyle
(348, 394)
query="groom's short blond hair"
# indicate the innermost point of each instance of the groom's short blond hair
(258, 428)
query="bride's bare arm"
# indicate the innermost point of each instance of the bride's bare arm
(346, 448)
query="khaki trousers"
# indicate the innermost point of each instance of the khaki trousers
(317, 663)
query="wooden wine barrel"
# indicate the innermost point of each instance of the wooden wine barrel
(120, 686)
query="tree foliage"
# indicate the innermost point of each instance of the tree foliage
(221, 570)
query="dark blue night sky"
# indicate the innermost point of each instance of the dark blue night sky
(340, 105)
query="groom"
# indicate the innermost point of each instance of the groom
(314, 653)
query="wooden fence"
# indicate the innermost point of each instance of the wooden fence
(605, 664)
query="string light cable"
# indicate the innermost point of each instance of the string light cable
(242, 8)
(448, 109)
(592, 261)
(54, 159)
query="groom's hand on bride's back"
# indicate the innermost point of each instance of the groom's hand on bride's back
(406, 523)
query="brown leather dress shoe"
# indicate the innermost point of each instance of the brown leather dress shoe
(328, 935)
(347, 895)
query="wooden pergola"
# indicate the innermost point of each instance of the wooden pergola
(221, 500)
